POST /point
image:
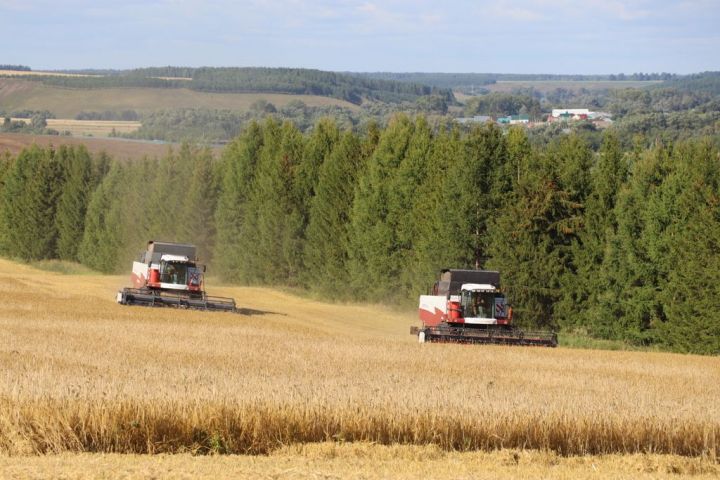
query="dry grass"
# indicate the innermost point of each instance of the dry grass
(18, 94)
(79, 373)
(358, 461)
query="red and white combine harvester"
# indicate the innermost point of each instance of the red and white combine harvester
(168, 275)
(467, 306)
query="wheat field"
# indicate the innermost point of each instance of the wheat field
(82, 375)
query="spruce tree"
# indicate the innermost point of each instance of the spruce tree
(530, 239)
(328, 233)
(274, 249)
(430, 212)
(475, 189)
(102, 239)
(599, 225)
(37, 233)
(686, 251)
(410, 175)
(629, 305)
(375, 259)
(197, 223)
(234, 217)
(73, 203)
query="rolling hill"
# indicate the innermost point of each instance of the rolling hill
(22, 94)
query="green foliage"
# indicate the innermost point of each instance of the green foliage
(501, 104)
(619, 244)
(326, 251)
(32, 188)
(196, 222)
(102, 239)
(375, 250)
(234, 218)
(73, 201)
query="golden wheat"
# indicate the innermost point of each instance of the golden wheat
(79, 373)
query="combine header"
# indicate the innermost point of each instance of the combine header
(466, 306)
(168, 275)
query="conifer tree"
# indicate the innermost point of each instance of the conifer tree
(531, 237)
(167, 196)
(327, 245)
(474, 192)
(599, 225)
(197, 223)
(6, 163)
(12, 213)
(629, 305)
(235, 219)
(102, 239)
(37, 232)
(686, 251)
(274, 248)
(410, 175)
(73, 202)
(375, 261)
(430, 212)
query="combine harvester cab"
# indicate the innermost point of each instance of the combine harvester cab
(467, 306)
(168, 275)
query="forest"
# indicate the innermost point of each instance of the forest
(619, 243)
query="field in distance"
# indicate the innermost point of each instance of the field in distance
(23, 73)
(94, 128)
(19, 94)
(82, 374)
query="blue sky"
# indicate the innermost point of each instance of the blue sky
(503, 36)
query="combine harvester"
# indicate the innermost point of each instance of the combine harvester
(466, 306)
(168, 275)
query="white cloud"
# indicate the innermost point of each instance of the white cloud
(626, 10)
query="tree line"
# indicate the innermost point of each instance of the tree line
(619, 243)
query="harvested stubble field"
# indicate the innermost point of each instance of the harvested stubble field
(79, 373)
(94, 128)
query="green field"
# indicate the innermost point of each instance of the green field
(17, 94)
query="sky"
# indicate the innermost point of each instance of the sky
(501, 36)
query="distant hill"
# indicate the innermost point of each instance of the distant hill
(461, 80)
(295, 81)
(705, 82)
(19, 93)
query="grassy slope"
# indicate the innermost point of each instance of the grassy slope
(16, 94)
(81, 373)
